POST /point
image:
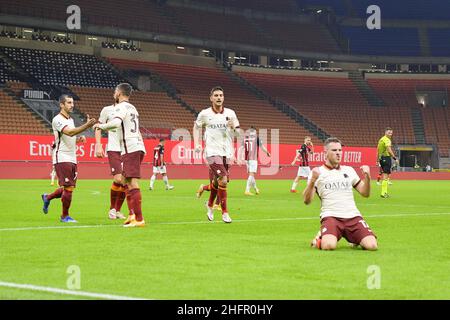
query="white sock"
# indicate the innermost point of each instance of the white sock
(152, 181)
(166, 180)
(294, 185)
(249, 183)
(254, 182)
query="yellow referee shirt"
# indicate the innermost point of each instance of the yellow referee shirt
(383, 144)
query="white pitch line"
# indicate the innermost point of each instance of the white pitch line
(66, 292)
(219, 221)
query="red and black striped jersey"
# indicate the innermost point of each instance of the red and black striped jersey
(158, 156)
(304, 154)
(251, 147)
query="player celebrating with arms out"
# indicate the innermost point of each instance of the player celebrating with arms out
(221, 127)
(159, 166)
(339, 215)
(306, 149)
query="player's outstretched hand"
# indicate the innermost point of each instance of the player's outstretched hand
(99, 153)
(365, 170)
(90, 121)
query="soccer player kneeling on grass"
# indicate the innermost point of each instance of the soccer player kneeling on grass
(339, 215)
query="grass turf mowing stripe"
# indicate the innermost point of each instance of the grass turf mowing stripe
(66, 292)
(209, 222)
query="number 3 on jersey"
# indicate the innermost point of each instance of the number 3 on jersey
(135, 120)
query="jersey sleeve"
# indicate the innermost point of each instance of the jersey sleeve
(200, 120)
(354, 178)
(103, 115)
(59, 124)
(235, 119)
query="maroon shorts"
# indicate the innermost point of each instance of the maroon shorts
(353, 229)
(67, 174)
(132, 164)
(115, 162)
(218, 166)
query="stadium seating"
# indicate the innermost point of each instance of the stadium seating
(156, 109)
(7, 72)
(338, 6)
(58, 68)
(409, 10)
(312, 37)
(439, 42)
(194, 84)
(132, 14)
(335, 105)
(386, 41)
(16, 119)
(280, 6)
(398, 93)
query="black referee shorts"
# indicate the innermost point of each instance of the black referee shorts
(386, 164)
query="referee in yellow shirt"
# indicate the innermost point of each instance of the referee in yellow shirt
(385, 157)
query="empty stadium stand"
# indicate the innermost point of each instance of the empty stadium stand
(280, 6)
(194, 84)
(156, 109)
(400, 94)
(7, 72)
(386, 41)
(58, 68)
(336, 106)
(144, 15)
(16, 119)
(439, 42)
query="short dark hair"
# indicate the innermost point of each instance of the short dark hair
(162, 139)
(216, 88)
(125, 88)
(63, 97)
(332, 140)
(387, 129)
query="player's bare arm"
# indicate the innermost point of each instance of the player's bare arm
(113, 124)
(391, 153)
(196, 131)
(74, 131)
(265, 150)
(99, 153)
(295, 160)
(363, 186)
(308, 193)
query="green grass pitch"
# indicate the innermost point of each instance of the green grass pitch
(263, 254)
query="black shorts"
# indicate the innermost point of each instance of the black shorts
(386, 164)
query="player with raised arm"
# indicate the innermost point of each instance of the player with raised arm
(126, 119)
(222, 126)
(339, 215)
(159, 165)
(302, 155)
(64, 156)
(250, 147)
(118, 189)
